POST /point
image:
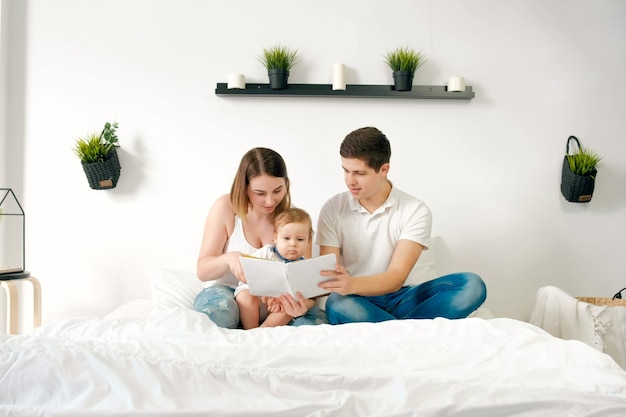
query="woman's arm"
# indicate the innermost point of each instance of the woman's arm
(212, 261)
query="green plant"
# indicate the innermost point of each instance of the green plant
(278, 57)
(95, 147)
(404, 59)
(583, 162)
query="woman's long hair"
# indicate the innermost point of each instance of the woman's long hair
(258, 161)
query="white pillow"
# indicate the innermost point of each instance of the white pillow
(173, 288)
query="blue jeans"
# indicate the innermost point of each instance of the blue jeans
(452, 296)
(218, 302)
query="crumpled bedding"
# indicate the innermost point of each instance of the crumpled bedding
(564, 316)
(178, 362)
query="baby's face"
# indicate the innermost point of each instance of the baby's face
(292, 240)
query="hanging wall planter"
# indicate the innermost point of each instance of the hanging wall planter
(578, 175)
(103, 175)
(404, 62)
(98, 156)
(278, 60)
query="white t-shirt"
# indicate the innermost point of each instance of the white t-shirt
(367, 241)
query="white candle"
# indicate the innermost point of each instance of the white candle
(456, 83)
(236, 81)
(339, 77)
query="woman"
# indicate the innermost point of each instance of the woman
(241, 223)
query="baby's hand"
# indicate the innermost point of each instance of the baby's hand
(273, 304)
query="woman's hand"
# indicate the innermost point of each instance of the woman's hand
(234, 264)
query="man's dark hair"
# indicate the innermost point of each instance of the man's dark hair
(367, 144)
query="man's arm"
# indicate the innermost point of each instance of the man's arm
(325, 250)
(402, 262)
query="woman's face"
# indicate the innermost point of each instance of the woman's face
(266, 192)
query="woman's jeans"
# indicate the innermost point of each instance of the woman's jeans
(452, 296)
(218, 302)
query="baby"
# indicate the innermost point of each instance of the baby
(293, 236)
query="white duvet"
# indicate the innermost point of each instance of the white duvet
(179, 363)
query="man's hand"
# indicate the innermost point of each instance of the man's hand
(293, 307)
(339, 281)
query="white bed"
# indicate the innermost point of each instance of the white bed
(170, 360)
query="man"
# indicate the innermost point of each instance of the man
(377, 232)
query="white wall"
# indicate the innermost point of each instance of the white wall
(3, 84)
(4, 78)
(489, 168)
(3, 107)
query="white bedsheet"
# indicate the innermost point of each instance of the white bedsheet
(179, 363)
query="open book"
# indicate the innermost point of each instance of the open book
(273, 278)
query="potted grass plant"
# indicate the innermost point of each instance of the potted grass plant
(404, 61)
(278, 61)
(579, 173)
(98, 156)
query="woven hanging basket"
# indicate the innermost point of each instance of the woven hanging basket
(103, 175)
(599, 301)
(576, 188)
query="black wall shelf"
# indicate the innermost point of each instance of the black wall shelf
(352, 90)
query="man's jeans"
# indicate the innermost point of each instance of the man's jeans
(452, 296)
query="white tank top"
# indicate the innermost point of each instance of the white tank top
(236, 243)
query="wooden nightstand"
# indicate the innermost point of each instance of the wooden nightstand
(8, 283)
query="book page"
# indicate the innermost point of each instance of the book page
(305, 275)
(265, 277)
(273, 278)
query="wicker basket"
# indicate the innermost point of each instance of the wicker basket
(599, 301)
(103, 175)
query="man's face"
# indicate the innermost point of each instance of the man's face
(362, 181)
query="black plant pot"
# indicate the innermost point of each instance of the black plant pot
(278, 78)
(103, 175)
(403, 80)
